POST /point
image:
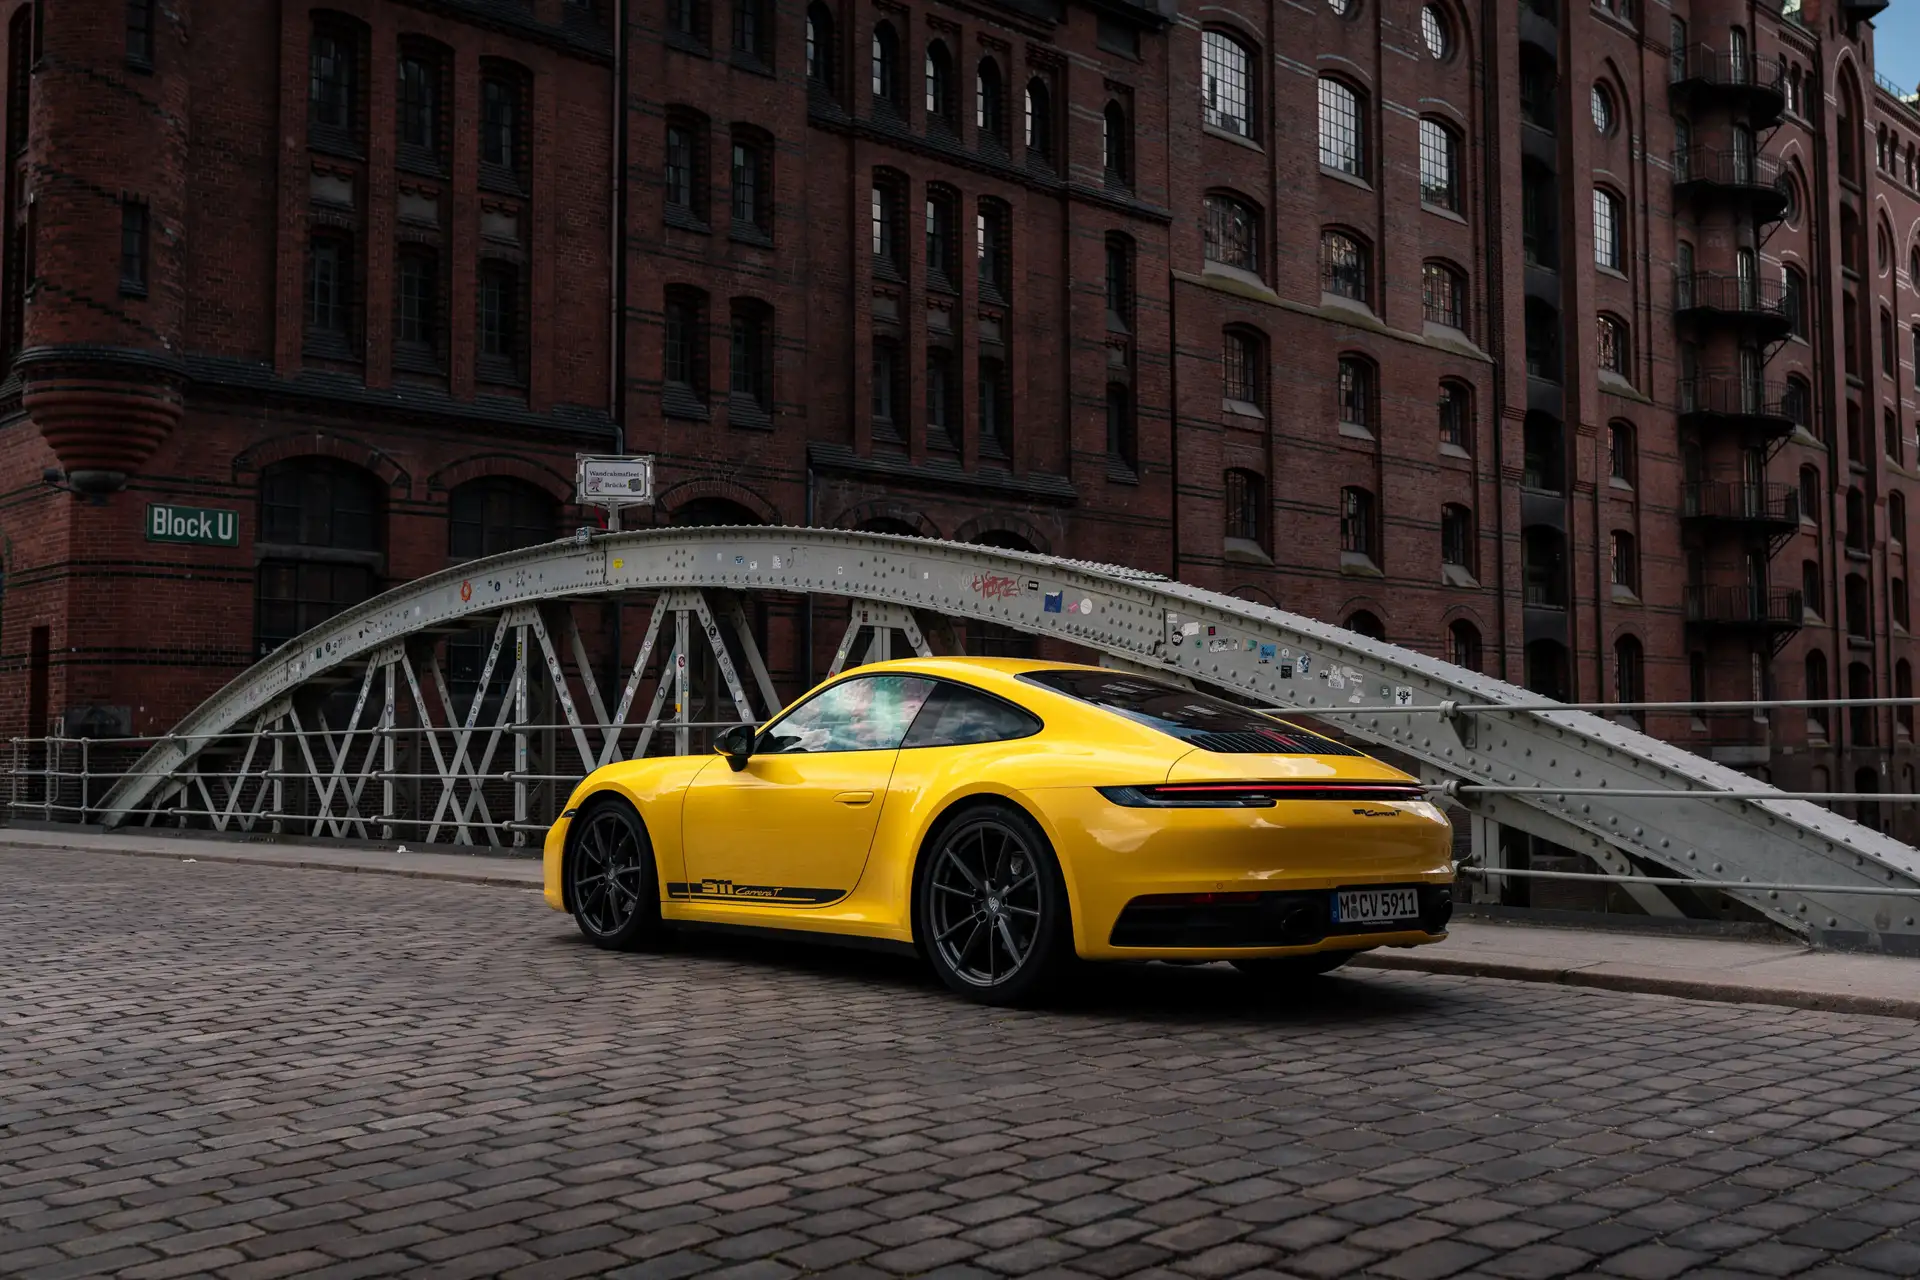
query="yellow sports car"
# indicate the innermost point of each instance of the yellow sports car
(1001, 816)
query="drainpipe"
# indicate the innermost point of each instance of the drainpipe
(617, 310)
(1490, 189)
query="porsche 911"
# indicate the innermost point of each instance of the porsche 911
(1006, 819)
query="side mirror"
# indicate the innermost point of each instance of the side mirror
(736, 744)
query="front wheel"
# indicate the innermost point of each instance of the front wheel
(610, 880)
(1309, 966)
(991, 907)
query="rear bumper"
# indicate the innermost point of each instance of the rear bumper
(1289, 918)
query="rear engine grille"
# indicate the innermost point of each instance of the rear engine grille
(1269, 742)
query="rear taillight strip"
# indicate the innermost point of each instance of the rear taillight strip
(1252, 795)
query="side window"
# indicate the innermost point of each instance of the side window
(956, 716)
(866, 713)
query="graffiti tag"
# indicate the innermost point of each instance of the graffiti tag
(995, 586)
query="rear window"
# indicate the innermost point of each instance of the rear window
(1207, 722)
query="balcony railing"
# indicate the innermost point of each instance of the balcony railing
(1771, 608)
(1761, 83)
(1725, 166)
(1771, 404)
(1718, 291)
(1737, 500)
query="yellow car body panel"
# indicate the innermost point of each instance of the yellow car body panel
(797, 824)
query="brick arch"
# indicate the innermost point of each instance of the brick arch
(1255, 595)
(1356, 603)
(672, 498)
(481, 465)
(1003, 523)
(324, 444)
(1464, 613)
(855, 516)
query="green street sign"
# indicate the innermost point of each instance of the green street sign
(200, 526)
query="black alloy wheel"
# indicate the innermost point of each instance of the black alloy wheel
(992, 910)
(610, 880)
(1307, 966)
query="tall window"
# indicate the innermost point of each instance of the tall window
(1889, 361)
(886, 66)
(942, 106)
(1232, 233)
(1439, 165)
(1121, 435)
(1343, 266)
(1039, 136)
(497, 513)
(417, 324)
(1817, 722)
(502, 123)
(1119, 283)
(1614, 347)
(1226, 83)
(320, 538)
(752, 181)
(419, 104)
(1625, 561)
(943, 399)
(1812, 595)
(1456, 536)
(1246, 507)
(687, 19)
(330, 293)
(1810, 495)
(1463, 645)
(1357, 533)
(684, 351)
(685, 179)
(1456, 416)
(1443, 295)
(990, 103)
(1890, 431)
(1629, 679)
(1606, 229)
(1795, 300)
(996, 420)
(889, 248)
(333, 80)
(1342, 136)
(750, 357)
(1620, 452)
(500, 328)
(1116, 145)
(1355, 388)
(749, 29)
(993, 225)
(820, 46)
(889, 408)
(140, 32)
(1243, 366)
(943, 236)
(133, 247)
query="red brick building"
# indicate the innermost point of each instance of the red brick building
(1574, 342)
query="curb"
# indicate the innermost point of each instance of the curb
(1683, 988)
(489, 879)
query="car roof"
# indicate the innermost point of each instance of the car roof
(986, 672)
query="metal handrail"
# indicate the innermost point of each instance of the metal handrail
(1726, 166)
(1710, 66)
(1741, 500)
(1722, 291)
(1730, 395)
(1707, 602)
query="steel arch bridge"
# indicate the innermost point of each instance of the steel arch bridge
(353, 729)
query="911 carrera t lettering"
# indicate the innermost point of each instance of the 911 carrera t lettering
(1001, 816)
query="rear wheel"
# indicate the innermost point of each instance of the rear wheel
(610, 880)
(1309, 966)
(990, 906)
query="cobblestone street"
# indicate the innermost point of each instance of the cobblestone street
(247, 1072)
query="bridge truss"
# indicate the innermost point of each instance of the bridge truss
(355, 730)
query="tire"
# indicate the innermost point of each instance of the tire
(1267, 968)
(609, 876)
(990, 906)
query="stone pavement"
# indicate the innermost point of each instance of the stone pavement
(247, 1072)
(1694, 968)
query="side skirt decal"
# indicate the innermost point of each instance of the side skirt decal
(728, 891)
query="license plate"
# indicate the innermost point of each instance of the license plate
(1375, 906)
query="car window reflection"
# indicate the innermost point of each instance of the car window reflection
(866, 713)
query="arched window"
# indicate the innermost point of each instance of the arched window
(1359, 535)
(1443, 294)
(321, 532)
(1456, 415)
(1246, 509)
(1794, 300)
(685, 176)
(498, 513)
(1463, 645)
(1629, 675)
(1797, 403)
(943, 236)
(1343, 139)
(1345, 266)
(1226, 83)
(750, 359)
(1903, 688)
(1607, 230)
(889, 390)
(1544, 465)
(335, 57)
(1625, 562)
(1622, 464)
(1816, 677)
(1116, 144)
(820, 46)
(1859, 534)
(1363, 622)
(886, 66)
(1456, 536)
(421, 113)
(993, 229)
(1859, 620)
(1897, 521)
(942, 101)
(1543, 566)
(995, 408)
(1810, 495)
(504, 92)
(1355, 390)
(1812, 590)
(1615, 347)
(752, 30)
(1122, 436)
(1039, 121)
(888, 217)
(752, 180)
(1243, 367)
(990, 103)
(417, 331)
(1439, 163)
(1890, 434)
(684, 352)
(1120, 288)
(1899, 605)
(1233, 232)
(1848, 123)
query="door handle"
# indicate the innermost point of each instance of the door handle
(854, 797)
